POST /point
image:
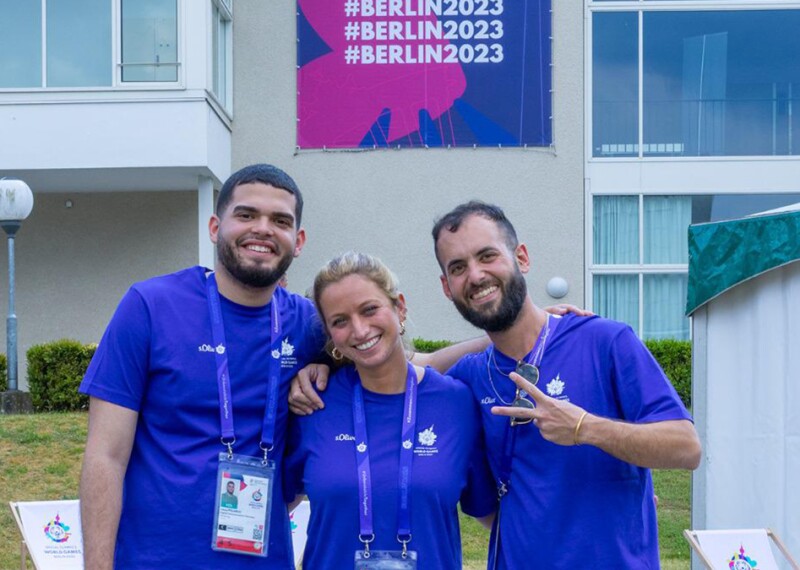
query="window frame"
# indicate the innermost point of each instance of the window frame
(115, 59)
(221, 11)
(640, 175)
(119, 64)
(639, 269)
(650, 6)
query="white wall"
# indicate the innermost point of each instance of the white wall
(74, 264)
(384, 202)
(746, 404)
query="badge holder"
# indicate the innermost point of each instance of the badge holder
(386, 559)
(243, 504)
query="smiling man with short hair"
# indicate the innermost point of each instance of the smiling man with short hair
(571, 454)
(166, 381)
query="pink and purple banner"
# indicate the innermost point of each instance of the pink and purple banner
(423, 73)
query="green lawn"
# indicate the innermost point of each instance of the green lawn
(40, 459)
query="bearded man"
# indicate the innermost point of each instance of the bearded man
(571, 456)
(192, 375)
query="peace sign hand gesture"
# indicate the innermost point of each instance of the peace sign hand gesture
(559, 421)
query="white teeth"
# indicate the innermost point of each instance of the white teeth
(485, 292)
(260, 248)
(368, 344)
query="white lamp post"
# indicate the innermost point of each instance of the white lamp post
(16, 203)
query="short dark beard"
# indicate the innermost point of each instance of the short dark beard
(256, 277)
(514, 294)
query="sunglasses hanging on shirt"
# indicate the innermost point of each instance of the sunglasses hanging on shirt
(531, 374)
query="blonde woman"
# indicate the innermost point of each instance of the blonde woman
(396, 447)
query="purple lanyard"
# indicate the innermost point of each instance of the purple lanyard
(510, 438)
(223, 377)
(365, 511)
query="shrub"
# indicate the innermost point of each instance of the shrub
(675, 357)
(3, 373)
(55, 370)
(422, 345)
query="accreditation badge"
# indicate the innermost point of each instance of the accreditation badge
(386, 560)
(242, 505)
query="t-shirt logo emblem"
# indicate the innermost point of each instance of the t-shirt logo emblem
(427, 437)
(556, 386)
(407, 444)
(361, 447)
(220, 349)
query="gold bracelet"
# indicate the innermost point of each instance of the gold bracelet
(578, 427)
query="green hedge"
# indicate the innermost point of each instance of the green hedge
(55, 370)
(422, 345)
(3, 373)
(674, 356)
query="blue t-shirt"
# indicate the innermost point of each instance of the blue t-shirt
(576, 507)
(448, 466)
(157, 358)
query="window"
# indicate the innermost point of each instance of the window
(73, 50)
(714, 82)
(20, 44)
(60, 43)
(615, 83)
(640, 254)
(221, 51)
(640, 265)
(149, 40)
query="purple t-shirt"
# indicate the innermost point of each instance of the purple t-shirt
(576, 507)
(448, 466)
(157, 358)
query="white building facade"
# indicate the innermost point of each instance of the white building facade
(124, 115)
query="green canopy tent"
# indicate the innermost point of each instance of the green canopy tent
(724, 254)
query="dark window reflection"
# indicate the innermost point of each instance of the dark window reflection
(615, 84)
(721, 83)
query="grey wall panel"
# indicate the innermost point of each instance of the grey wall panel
(384, 201)
(74, 264)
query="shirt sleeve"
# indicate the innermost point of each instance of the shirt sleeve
(645, 393)
(460, 369)
(119, 368)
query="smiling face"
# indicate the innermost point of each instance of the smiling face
(257, 235)
(482, 277)
(363, 322)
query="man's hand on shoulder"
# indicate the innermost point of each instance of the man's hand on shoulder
(564, 308)
(303, 393)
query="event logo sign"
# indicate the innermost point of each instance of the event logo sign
(740, 561)
(56, 530)
(52, 533)
(423, 73)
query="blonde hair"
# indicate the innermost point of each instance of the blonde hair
(355, 263)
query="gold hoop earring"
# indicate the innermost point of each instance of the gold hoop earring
(336, 354)
(402, 328)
